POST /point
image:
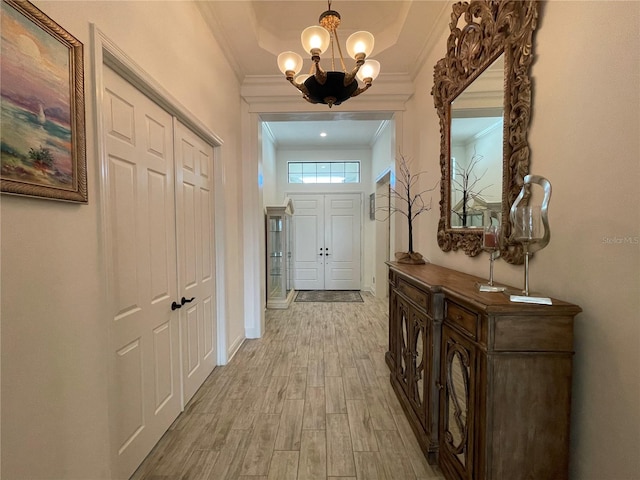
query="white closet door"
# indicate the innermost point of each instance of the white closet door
(144, 383)
(194, 202)
(327, 241)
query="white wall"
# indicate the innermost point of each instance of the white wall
(54, 327)
(383, 151)
(584, 139)
(488, 151)
(382, 161)
(270, 192)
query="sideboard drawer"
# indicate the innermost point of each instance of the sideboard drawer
(417, 296)
(461, 317)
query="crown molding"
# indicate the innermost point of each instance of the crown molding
(272, 93)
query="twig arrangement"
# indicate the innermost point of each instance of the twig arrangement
(403, 200)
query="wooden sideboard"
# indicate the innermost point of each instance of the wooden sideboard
(484, 382)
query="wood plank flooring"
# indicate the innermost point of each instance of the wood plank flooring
(310, 400)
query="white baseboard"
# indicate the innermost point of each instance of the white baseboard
(235, 346)
(252, 332)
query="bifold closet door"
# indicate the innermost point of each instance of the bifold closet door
(194, 202)
(144, 383)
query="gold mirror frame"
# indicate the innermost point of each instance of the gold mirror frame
(492, 27)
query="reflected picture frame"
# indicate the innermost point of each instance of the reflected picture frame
(43, 150)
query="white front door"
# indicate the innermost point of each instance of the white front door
(327, 238)
(342, 242)
(144, 383)
(308, 243)
(194, 201)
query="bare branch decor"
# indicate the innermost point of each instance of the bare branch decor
(407, 203)
(466, 182)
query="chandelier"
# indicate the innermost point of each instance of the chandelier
(331, 87)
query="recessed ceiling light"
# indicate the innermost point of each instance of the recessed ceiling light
(323, 134)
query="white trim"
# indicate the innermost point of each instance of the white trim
(102, 197)
(383, 126)
(235, 346)
(383, 174)
(273, 94)
(106, 52)
(254, 298)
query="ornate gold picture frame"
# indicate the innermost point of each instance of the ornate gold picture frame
(43, 119)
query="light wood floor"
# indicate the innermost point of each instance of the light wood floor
(309, 400)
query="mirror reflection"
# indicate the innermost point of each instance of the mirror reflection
(420, 366)
(476, 149)
(404, 328)
(457, 405)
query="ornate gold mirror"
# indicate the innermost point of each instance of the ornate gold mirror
(482, 92)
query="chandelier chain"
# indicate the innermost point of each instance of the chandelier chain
(333, 55)
(344, 68)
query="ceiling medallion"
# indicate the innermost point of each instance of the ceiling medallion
(331, 87)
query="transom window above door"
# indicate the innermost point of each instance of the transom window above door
(324, 172)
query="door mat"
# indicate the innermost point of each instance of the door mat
(329, 296)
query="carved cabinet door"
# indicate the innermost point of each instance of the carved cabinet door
(413, 354)
(420, 352)
(404, 356)
(457, 383)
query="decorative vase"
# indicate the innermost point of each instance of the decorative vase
(530, 228)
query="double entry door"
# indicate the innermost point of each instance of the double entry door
(327, 238)
(159, 248)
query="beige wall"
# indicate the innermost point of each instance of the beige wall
(584, 138)
(54, 326)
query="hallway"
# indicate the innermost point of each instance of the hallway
(309, 400)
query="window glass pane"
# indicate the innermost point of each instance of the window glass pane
(309, 178)
(324, 168)
(351, 178)
(324, 172)
(337, 168)
(352, 167)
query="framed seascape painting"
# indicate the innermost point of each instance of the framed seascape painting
(42, 92)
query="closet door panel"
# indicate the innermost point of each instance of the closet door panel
(195, 234)
(144, 386)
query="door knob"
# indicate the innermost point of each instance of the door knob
(184, 300)
(175, 306)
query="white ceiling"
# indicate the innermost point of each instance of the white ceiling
(253, 32)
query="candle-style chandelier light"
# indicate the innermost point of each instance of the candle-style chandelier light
(331, 87)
